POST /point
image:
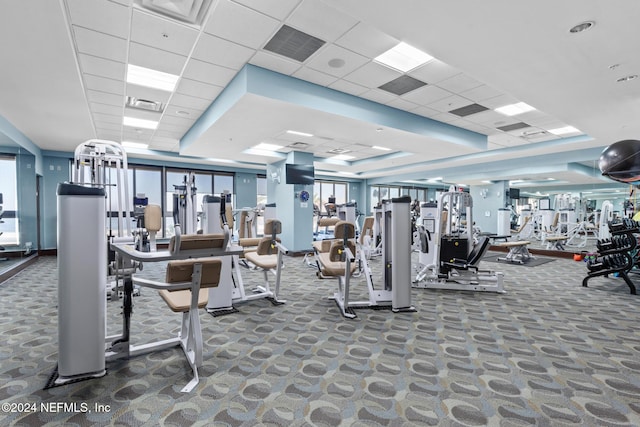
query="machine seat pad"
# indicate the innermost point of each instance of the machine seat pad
(180, 301)
(249, 241)
(181, 271)
(322, 245)
(333, 268)
(328, 222)
(198, 242)
(556, 238)
(513, 244)
(266, 262)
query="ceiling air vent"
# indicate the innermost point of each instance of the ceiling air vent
(144, 104)
(514, 126)
(402, 85)
(338, 151)
(293, 44)
(468, 110)
(189, 11)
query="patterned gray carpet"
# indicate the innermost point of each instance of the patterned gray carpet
(546, 353)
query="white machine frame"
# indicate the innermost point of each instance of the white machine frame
(396, 252)
(457, 274)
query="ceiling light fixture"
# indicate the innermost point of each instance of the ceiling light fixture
(403, 57)
(582, 27)
(131, 144)
(151, 78)
(266, 146)
(342, 157)
(139, 123)
(564, 130)
(295, 132)
(377, 147)
(514, 109)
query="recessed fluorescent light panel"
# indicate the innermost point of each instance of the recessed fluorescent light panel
(151, 78)
(139, 123)
(564, 130)
(342, 157)
(268, 147)
(403, 57)
(295, 132)
(514, 109)
(131, 144)
(377, 147)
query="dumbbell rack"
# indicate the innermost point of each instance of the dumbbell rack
(617, 254)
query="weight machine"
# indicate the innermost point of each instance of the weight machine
(452, 261)
(396, 254)
(231, 287)
(184, 204)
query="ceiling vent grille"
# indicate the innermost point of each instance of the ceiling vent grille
(514, 126)
(402, 85)
(189, 11)
(293, 44)
(143, 104)
(338, 151)
(468, 110)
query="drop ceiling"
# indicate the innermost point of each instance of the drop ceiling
(63, 82)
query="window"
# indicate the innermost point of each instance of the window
(9, 224)
(323, 190)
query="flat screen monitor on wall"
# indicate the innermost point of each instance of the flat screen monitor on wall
(514, 193)
(299, 174)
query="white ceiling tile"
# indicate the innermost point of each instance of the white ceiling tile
(434, 71)
(105, 98)
(426, 111)
(156, 59)
(178, 121)
(193, 102)
(321, 61)
(316, 18)
(314, 76)
(449, 103)
(446, 118)
(480, 93)
(274, 62)
(175, 128)
(208, 73)
(348, 87)
(150, 94)
(402, 104)
(99, 15)
(154, 31)
(132, 134)
(218, 51)
(123, 2)
(426, 95)
(372, 75)
(459, 83)
(100, 44)
(378, 95)
(142, 114)
(366, 40)
(103, 84)
(487, 117)
(108, 134)
(101, 67)
(172, 110)
(196, 88)
(278, 9)
(164, 140)
(107, 118)
(169, 134)
(111, 122)
(255, 30)
(106, 109)
(499, 101)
